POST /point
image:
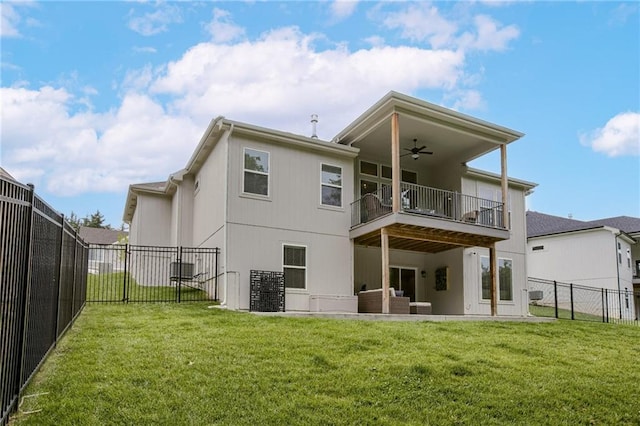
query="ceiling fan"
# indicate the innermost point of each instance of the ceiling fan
(415, 151)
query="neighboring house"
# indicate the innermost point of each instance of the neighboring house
(103, 259)
(330, 214)
(601, 253)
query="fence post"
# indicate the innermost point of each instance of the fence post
(124, 277)
(60, 254)
(179, 274)
(555, 296)
(75, 261)
(606, 300)
(25, 293)
(215, 294)
(571, 297)
(602, 293)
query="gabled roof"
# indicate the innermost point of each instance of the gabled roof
(628, 224)
(540, 224)
(100, 235)
(219, 128)
(5, 174)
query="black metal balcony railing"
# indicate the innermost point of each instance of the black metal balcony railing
(426, 201)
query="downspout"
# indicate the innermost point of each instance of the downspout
(226, 214)
(615, 240)
(178, 196)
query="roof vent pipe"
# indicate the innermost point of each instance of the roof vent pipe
(314, 122)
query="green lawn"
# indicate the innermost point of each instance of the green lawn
(111, 288)
(549, 311)
(185, 364)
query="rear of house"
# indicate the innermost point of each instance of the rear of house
(330, 214)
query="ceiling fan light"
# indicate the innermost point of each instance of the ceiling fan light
(415, 156)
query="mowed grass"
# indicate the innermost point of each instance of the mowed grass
(549, 311)
(185, 364)
(112, 287)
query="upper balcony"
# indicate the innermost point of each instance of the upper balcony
(428, 219)
(429, 202)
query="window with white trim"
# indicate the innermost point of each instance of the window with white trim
(294, 266)
(367, 168)
(331, 185)
(256, 172)
(505, 278)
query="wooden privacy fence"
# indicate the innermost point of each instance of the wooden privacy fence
(43, 277)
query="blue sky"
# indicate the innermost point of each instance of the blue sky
(99, 95)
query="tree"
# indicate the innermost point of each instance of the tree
(95, 220)
(74, 221)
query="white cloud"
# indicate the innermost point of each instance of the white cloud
(423, 22)
(222, 28)
(619, 137)
(276, 80)
(469, 100)
(341, 9)
(87, 152)
(375, 41)
(621, 14)
(244, 81)
(9, 20)
(489, 35)
(155, 22)
(144, 49)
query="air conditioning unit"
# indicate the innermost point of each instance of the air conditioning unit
(185, 274)
(535, 295)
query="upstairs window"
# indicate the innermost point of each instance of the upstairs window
(256, 172)
(367, 168)
(331, 185)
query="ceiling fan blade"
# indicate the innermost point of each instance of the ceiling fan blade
(408, 153)
(421, 148)
(408, 149)
(426, 152)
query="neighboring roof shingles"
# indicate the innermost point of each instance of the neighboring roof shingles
(100, 235)
(539, 224)
(628, 224)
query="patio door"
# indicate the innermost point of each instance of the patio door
(404, 279)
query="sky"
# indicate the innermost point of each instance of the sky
(96, 96)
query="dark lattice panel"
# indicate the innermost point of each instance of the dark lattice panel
(267, 291)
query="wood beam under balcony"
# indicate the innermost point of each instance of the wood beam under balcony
(504, 184)
(494, 280)
(384, 244)
(395, 162)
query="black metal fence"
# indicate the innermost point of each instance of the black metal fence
(130, 273)
(43, 274)
(575, 302)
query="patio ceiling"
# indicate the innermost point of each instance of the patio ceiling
(426, 240)
(448, 145)
(453, 137)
